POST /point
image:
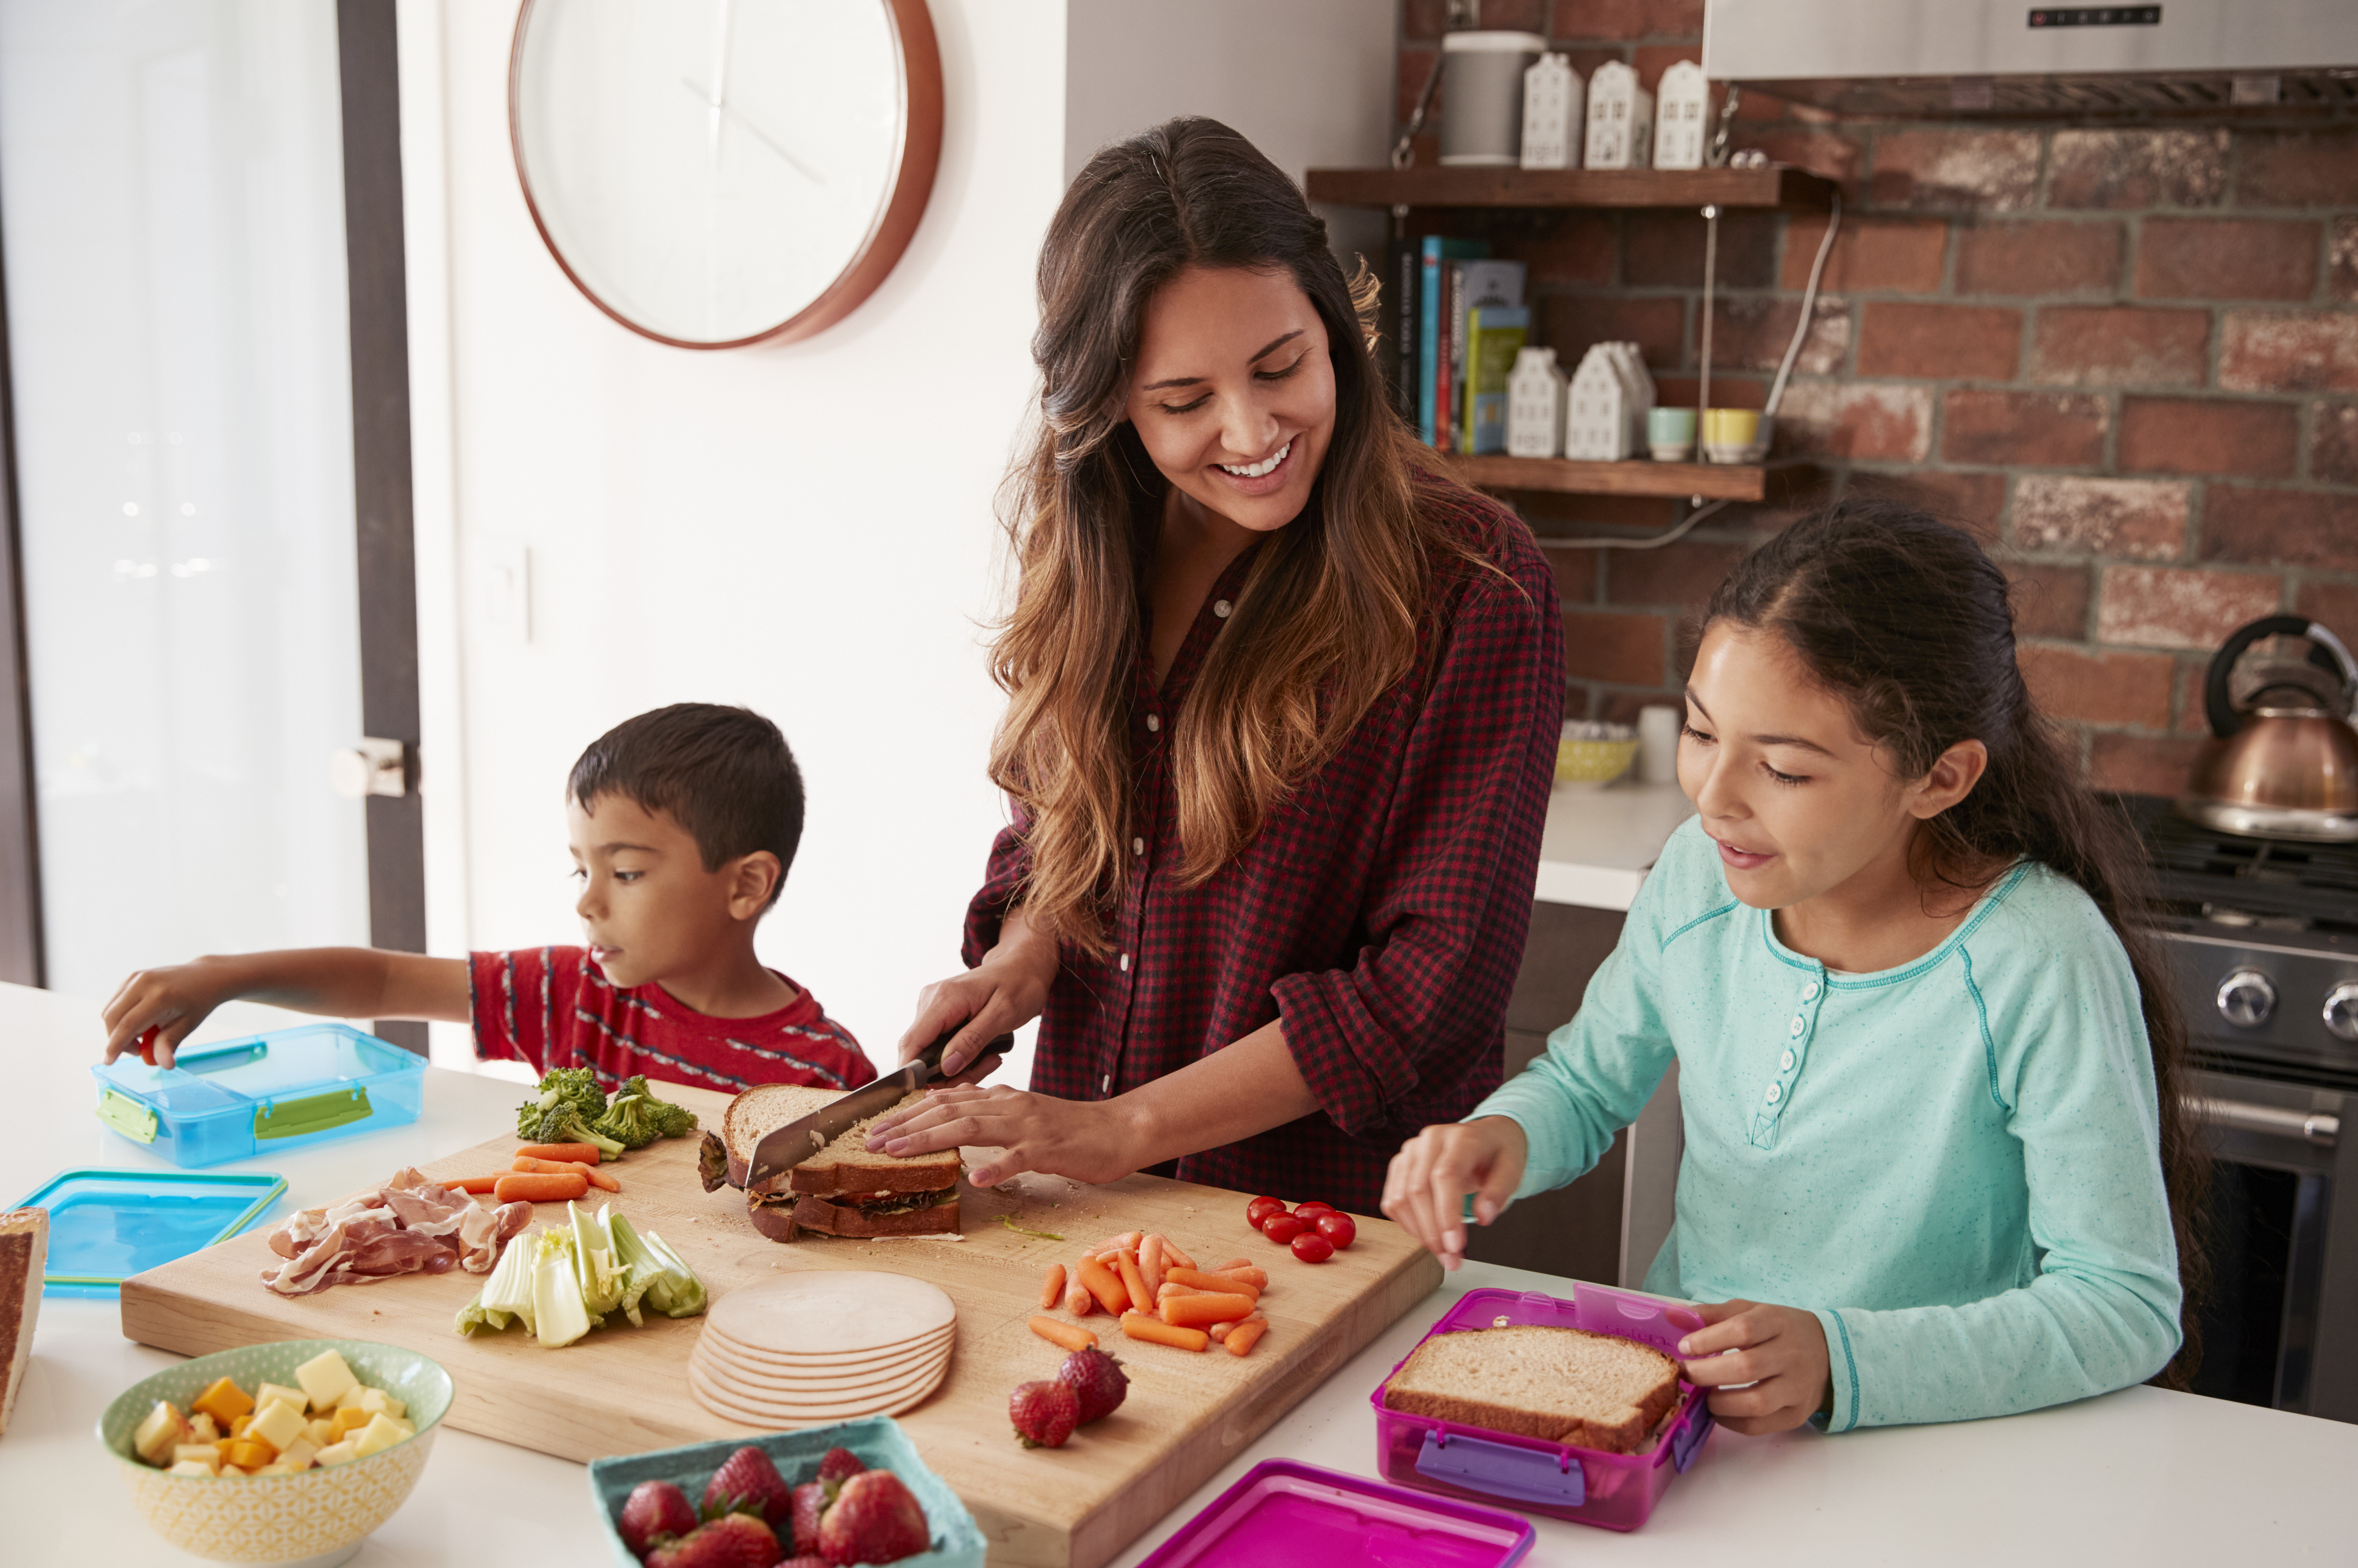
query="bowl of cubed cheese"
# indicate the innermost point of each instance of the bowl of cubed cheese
(288, 1454)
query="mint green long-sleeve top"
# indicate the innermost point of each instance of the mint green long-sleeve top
(1955, 1163)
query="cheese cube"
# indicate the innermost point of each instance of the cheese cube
(233, 1470)
(247, 1454)
(300, 1453)
(274, 1468)
(279, 1424)
(203, 1453)
(376, 1401)
(347, 1423)
(320, 1433)
(238, 1425)
(190, 1467)
(336, 1453)
(325, 1377)
(349, 1399)
(222, 1446)
(201, 1428)
(405, 1429)
(223, 1400)
(163, 1431)
(266, 1393)
(381, 1433)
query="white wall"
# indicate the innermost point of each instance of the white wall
(805, 530)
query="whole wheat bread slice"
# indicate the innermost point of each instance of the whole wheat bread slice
(24, 1244)
(844, 1167)
(1560, 1385)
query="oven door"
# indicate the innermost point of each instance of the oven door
(2281, 1324)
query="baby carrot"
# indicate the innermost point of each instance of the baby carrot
(588, 1153)
(1138, 1326)
(1134, 1283)
(1105, 1285)
(1245, 1334)
(595, 1177)
(474, 1184)
(1174, 1288)
(540, 1187)
(1052, 1287)
(1231, 1286)
(1256, 1277)
(1077, 1300)
(1115, 1243)
(1231, 1263)
(1171, 1255)
(1064, 1334)
(1150, 1263)
(1195, 1312)
(1220, 1330)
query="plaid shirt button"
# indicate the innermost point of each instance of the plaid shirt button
(1385, 940)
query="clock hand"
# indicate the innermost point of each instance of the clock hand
(755, 131)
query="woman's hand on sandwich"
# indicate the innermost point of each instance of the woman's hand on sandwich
(1089, 1140)
(1776, 1353)
(1005, 991)
(1427, 1187)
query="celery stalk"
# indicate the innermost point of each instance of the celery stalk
(558, 1306)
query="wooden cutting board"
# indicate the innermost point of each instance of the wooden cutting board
(624, 1389)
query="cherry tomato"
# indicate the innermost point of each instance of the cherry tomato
(1338, 1230)
(1282, 1227)
(1261, 1209)
(1313, 1208)
(1313, 1247)
(146, 1043)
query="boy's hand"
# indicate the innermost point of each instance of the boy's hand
(1777, 1353)
(171, 1001)
(1005, 991)
(1425, 1189)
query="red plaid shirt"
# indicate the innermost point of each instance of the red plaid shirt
(552, 1007)
(1380, 913)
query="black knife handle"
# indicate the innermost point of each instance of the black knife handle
(931, 1056)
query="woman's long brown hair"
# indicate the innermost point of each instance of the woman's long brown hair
(1905, 620)
(1329, 614)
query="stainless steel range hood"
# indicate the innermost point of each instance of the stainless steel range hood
(2010, 57)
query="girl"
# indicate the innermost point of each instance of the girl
(1927, 1070)
(1283, 708)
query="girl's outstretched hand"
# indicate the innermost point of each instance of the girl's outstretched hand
(1425, 1189)
(1778, 1353)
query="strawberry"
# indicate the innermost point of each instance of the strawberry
(810, 1502)
(732, 1540)
(808, 1560)
(655, 1512)
(876, 1519)
(839, 1465)
(1097, 1382)
(1044, 1413)
(748, 1483)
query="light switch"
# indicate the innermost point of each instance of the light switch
(503, 590)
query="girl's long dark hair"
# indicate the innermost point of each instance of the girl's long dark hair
(1908, 621)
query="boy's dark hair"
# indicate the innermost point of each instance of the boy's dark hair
(724, 774)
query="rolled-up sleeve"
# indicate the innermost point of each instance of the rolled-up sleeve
(1010, 862)
(1449, 895)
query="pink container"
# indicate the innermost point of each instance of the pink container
(1587, 1486)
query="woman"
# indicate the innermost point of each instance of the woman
(1283, 710)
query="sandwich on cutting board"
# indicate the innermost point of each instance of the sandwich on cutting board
(802, 1156)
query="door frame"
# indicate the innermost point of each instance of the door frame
(22, 960)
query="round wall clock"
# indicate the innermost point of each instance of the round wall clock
(713, 173)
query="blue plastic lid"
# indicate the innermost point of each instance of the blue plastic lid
(232, 1074)
(108, 1225)
(1283, 1514)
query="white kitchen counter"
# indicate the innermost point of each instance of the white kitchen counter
(2140, 1477)
(1601, 839)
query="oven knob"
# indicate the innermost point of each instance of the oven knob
(2341, 1011)
(2248, 997)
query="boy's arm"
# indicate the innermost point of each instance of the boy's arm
(341, 982)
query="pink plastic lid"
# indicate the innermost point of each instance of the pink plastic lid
(1285, 1515)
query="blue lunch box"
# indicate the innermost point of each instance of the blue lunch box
(233, 1100)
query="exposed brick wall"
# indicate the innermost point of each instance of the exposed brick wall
(2125, 354)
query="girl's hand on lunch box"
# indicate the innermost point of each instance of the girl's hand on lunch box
(170, 1000)
(1089, 1140)
(1425, 1189)
(1777, 1353)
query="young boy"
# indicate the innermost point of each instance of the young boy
(682, 822)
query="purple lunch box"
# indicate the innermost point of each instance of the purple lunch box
(1286, 1515)
(1587, 1486)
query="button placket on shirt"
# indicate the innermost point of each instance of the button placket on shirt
(1800, 1027)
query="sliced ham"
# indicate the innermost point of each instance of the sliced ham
(410, 1225)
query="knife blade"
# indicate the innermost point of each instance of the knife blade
(782, 1148)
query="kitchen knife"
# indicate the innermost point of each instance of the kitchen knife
(782, 1148)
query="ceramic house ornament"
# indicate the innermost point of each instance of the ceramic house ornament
(1596, 409)
(1552, 122)
(1620, 119)
(1535, 404)
(1682, 117)
(1629, 361)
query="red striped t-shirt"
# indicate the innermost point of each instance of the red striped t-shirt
(552, 1007)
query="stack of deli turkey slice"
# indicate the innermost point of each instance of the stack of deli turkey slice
(843, 1189)
(24, 1251)
(822, 1345)
(1560, 1385)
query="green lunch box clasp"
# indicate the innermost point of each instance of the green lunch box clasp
(128, 1117)
(312, 1113)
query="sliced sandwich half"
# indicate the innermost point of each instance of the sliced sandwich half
(842, 1190)
(1560, 1385)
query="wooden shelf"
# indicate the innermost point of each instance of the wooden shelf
(1712, 482)
(1774, 186)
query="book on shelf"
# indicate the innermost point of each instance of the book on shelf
(1396, 347)
(1474, 285)
(1433, 251)
(1494, 335)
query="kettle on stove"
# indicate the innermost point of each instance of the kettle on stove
(2282, 761)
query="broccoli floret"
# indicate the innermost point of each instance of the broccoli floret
(637, 1119)
(569, 1102)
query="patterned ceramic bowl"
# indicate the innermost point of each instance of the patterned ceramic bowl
(311, 1519)
(1593, 762)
